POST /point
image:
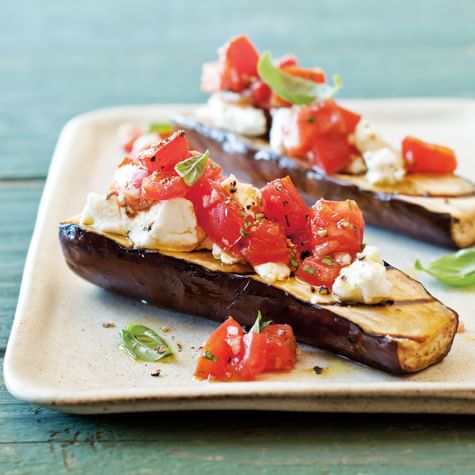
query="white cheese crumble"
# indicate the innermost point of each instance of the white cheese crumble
(273, 271)
(169, 225)
(366, 137)
(237, 118)
(365, 280)
(246, 195)
(233, 339)
(357, 166)
(104, 214)
(222, 256)
(385, 166)
(279, 135)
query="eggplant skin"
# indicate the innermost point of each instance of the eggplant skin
(259, 166)
(188, 287)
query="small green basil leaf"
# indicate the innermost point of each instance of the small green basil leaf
(191, 169)
(160, 128)
(258, 326)
(266, 324)
(309, 270)
(143, 344)
(207, 355)
(457, 268)
(291, 88)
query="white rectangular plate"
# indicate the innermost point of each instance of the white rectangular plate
(59, 353)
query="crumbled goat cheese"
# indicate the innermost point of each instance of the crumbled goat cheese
(357, 166)
(246, 195)
(273, 271)
(238, 118)
(222, 256)
(385, 166)
(169, 224)
(366, 137)
(365, 280)
(104, 214)
(282, 132)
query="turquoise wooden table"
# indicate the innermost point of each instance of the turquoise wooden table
(60, 58)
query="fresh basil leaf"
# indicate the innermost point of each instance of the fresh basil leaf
(207, 355)
(143, 344)
(160, 128)
(258, 325)
(456, 268)
(309, 270)
(266, 324)
(291, 88)
(191, 169)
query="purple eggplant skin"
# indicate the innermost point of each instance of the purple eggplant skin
(188, 287)
(259, 166)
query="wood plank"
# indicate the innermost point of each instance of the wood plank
(164, 445)
(17, 217)
(58, 68)
(36, 440)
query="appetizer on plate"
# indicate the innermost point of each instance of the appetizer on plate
(173, 231)
(267, 119)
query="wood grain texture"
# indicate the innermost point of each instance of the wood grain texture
(60, 58)
(19, 201)
(36, 440)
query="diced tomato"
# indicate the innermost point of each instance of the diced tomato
(260, 94)
(127, 184)
(318, 271)
(166, 154)
(282, 203)
(236, 68)
(163, 186)
(351, 119)
(424, 157)
(218, 214)
(229, 354)
(287, 60)
(337, 226)
(320, 133)
(320, 118)
(222, 346)
(241, 54)
(254, 360)
(265, 242)
(281, 351)
(166, 185)
(331, 152)
(213, 170)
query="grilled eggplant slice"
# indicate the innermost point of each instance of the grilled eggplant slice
(406, 335)
(440, 210)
